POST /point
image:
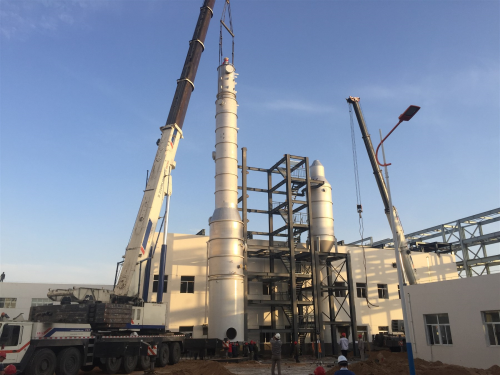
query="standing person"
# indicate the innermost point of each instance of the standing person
(245, 349)
(225, 346)
(4, 317)
(276, 353)
(230, 350)
(256, 350)
(344, 345)
(296, 352)
(361, 346)
(250, 350)
(2, 277)
(3, 355)
(343, 367)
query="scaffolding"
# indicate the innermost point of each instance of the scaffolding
(288, 211)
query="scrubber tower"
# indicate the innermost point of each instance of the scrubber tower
(225, 258)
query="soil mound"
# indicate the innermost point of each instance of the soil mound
(383, 363)
(195, 368)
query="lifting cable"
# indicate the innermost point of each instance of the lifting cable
(227, 7)
(358, 202)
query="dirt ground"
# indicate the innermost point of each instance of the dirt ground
(379, 363)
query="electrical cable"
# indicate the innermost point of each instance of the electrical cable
(358, 202)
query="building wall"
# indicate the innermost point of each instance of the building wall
(379, 270)
(187, 256)
(463, 300)
(26, 292)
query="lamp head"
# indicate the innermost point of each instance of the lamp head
(409, 113)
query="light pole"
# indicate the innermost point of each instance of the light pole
(406, 116)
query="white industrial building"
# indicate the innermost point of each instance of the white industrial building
(457, 321)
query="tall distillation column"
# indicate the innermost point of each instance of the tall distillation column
(322, 229)
(225, 259)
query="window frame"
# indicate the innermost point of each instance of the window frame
(41, 301)
(493, 324)
(361, 288)
(8, 302)
(156, 279)
(439, 330)
(187, 285)
(384, 288)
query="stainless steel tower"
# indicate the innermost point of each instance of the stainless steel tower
(225, 277)
(322, 210)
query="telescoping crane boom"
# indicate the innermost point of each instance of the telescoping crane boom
(403, 245)
(133, 283)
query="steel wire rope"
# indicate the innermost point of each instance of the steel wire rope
(227, 7)
(358, 202)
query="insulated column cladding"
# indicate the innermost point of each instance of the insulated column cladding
(322, 210)
(225, 258)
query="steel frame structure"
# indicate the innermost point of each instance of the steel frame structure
(468, 238)
(303, 262)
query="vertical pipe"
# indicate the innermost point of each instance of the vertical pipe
(244, 173)
(395, 235)
(352, 306)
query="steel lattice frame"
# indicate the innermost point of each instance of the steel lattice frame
(470, 239)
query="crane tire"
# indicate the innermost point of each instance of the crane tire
(163, 355)
(69, 361)
(129, 363)
(175, 353)
(42, 363)
(143, 363)
(112, 365)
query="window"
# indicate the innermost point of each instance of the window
(155, 283)
(361, 290)
(41, 301)
(10, 334)
(339, 293)
(399, 293)
(383, 329)
(187, 284)
(438, 329)
(492, 323)
(363, 330)
(266, 289)
(8, 303)
(265, 336)
(383, 292)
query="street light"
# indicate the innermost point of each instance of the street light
(405, 116)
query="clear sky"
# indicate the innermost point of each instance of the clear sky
(85, 86)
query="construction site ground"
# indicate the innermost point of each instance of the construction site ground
(378, 363)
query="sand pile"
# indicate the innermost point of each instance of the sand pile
(195, 368)
(383, 363)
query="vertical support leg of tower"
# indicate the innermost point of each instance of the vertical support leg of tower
(352, 306)
(244, 173)
(291, 245)
(331, 305)
(315, 250)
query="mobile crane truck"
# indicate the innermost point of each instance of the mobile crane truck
(115, 329)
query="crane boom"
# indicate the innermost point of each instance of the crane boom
(140, 242)
(403, 245)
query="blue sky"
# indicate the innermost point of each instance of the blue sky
(85, 86)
